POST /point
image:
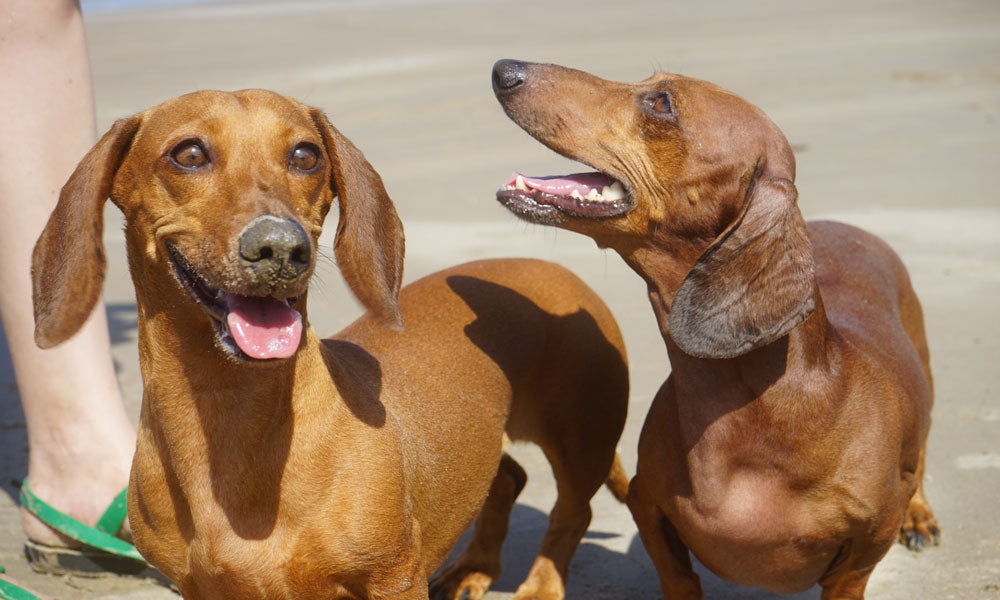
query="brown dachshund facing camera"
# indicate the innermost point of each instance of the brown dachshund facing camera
(273, 464)
(787, 446)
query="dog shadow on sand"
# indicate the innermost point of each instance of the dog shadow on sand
(599, 573)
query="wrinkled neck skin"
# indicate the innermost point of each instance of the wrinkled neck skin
(681, 223)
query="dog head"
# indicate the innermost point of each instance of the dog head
(693, 186)
(224, 197)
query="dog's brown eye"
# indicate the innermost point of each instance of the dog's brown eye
(660, 104)
(189, 154)
(305, 157)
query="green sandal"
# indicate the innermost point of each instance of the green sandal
(11, 591)
(102, 551)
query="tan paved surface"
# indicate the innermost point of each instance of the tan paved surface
(893, 107)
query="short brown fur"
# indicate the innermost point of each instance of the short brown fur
(350, 469)
(786, 448)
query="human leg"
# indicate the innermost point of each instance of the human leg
(79, 437)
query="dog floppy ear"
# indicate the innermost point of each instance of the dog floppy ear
(754, 283)
(68, 264)
(369, 244)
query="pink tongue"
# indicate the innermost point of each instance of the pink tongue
(563, 185)
(263, 327)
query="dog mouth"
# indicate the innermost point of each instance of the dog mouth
(549, 199)
(246, 327)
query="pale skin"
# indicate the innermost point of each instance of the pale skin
(80, 438)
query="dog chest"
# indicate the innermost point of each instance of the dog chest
(313, 564)
(760, 534)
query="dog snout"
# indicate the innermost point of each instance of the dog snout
(275, 247)
(508, 75)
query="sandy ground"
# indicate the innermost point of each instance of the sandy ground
(893, 108)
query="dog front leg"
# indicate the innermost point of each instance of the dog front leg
(669, 554)
(849, 585)
(478, 566)
(848, 574)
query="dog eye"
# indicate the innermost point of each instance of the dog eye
(189, 154)
(659, 104)
(304, 158)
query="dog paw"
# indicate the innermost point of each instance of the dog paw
(455, 585)
(533, 589)
(920, 528)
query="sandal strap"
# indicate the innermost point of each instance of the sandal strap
(113, 518)
(11, 591)
(77, 530)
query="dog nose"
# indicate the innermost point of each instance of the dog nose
(278, 246)
(507, 75)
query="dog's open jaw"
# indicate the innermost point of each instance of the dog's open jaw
(249, 327)
(549, 199)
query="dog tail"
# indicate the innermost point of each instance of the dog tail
(617, 480)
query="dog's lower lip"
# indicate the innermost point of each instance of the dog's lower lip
(211, 299)
(525, 206)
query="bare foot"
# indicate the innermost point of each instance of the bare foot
(79, 479)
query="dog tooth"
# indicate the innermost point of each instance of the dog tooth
(593, 195)
(519, 184)
(576, 195)
(614, 192)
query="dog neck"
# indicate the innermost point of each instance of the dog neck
(808, 348)
(662, 262)
(229, 422)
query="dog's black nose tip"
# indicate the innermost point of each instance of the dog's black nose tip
(279, 245)
(507, 75)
